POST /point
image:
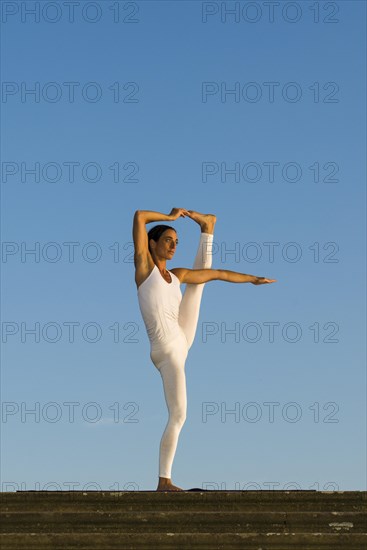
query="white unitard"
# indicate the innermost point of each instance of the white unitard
(171, 320)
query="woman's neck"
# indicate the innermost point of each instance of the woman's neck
(161, 266)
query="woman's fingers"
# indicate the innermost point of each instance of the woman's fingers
(184, 212)
(178, 212)
(264, 280)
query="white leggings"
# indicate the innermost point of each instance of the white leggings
(170, 361)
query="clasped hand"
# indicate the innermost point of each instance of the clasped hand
(178, 212)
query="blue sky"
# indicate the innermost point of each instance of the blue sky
(153, 125)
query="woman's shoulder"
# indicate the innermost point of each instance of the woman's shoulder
(179, 272)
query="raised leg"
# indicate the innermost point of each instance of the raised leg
(191, 299)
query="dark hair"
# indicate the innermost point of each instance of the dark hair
(156, 231)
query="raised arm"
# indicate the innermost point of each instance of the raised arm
(197, 276)
(140, 237)
(149, 216)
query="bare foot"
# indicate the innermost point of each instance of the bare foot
(165, 484)
(206, 221)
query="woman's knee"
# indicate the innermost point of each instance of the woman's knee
(178, 417)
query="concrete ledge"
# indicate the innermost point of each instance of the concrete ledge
(255, 520)
(209, 541)
(181, 522)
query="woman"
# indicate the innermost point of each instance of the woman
(170, 318)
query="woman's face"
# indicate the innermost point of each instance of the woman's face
(166, 245)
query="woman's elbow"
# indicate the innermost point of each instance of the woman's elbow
(220, 275)
(217, 275)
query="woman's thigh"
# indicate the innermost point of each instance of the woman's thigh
(173, 353)
(170, 361)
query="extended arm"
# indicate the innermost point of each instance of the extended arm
(235, 277)
(197, 276)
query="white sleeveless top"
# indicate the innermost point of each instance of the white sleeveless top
(159, 304)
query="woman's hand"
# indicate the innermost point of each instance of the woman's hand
(177, 212)
(262, 280)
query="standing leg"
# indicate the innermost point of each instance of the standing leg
(171, 365)
(190, 304)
